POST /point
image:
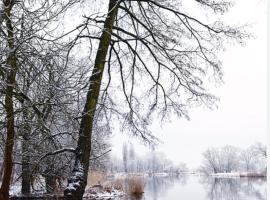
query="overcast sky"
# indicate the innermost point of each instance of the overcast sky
(241, 118)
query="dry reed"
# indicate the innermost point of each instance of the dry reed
(135, 185)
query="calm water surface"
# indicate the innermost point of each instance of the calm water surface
(202, 188)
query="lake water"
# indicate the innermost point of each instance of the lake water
(192, 187)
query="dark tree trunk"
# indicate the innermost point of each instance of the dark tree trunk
(1, 171)
(26, 171)
(10, 129)
(78, 180)
(50, 177)
(9, 143)
(50, 184)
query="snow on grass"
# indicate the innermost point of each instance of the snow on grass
(103, 194)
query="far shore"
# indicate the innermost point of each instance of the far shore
(239, 174)
(216, 175)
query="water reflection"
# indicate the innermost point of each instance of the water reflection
(202, 188)
(134, 197)
(157, 187)
(234, 188)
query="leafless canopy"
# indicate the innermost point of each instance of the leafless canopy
(160, 59)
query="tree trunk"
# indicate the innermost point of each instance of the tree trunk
(50, 184)
(78, 180)
(26, 130)
(9, 143)
(10, 129)
(1, 171)
(50, 177)
(26, 173)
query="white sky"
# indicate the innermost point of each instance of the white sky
(241, 118)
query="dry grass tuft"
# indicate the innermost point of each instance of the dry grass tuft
(95, 178)
(118, 185)
(108, 188)
(135, 186)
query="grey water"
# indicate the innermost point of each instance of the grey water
(203, 188)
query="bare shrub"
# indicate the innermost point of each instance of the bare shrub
(95, 178)
(117, 184)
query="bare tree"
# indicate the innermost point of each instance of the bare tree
(211, 163)
(182, 167)
(131, 158)
(125, 156)
(248, 159)
(260, 149)
(149, 50)
(100, 148)
(9, 75)
(25, 27)
(229, 157)
(225, 159)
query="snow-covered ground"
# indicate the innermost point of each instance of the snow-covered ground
(103, 194)
(90, 192)
(15, 190)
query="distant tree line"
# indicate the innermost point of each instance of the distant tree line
(233, 159)
(152, 162)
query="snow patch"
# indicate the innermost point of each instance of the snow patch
(102, 195)
(15, 189)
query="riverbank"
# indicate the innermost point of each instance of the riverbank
(97, 192)
(239, 175)
(117, 185)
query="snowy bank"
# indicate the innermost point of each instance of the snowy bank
(226, 175)
(238, 174)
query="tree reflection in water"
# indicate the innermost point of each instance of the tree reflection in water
(135, 197)
(234, 188)
(157, 187)
(208, 188)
